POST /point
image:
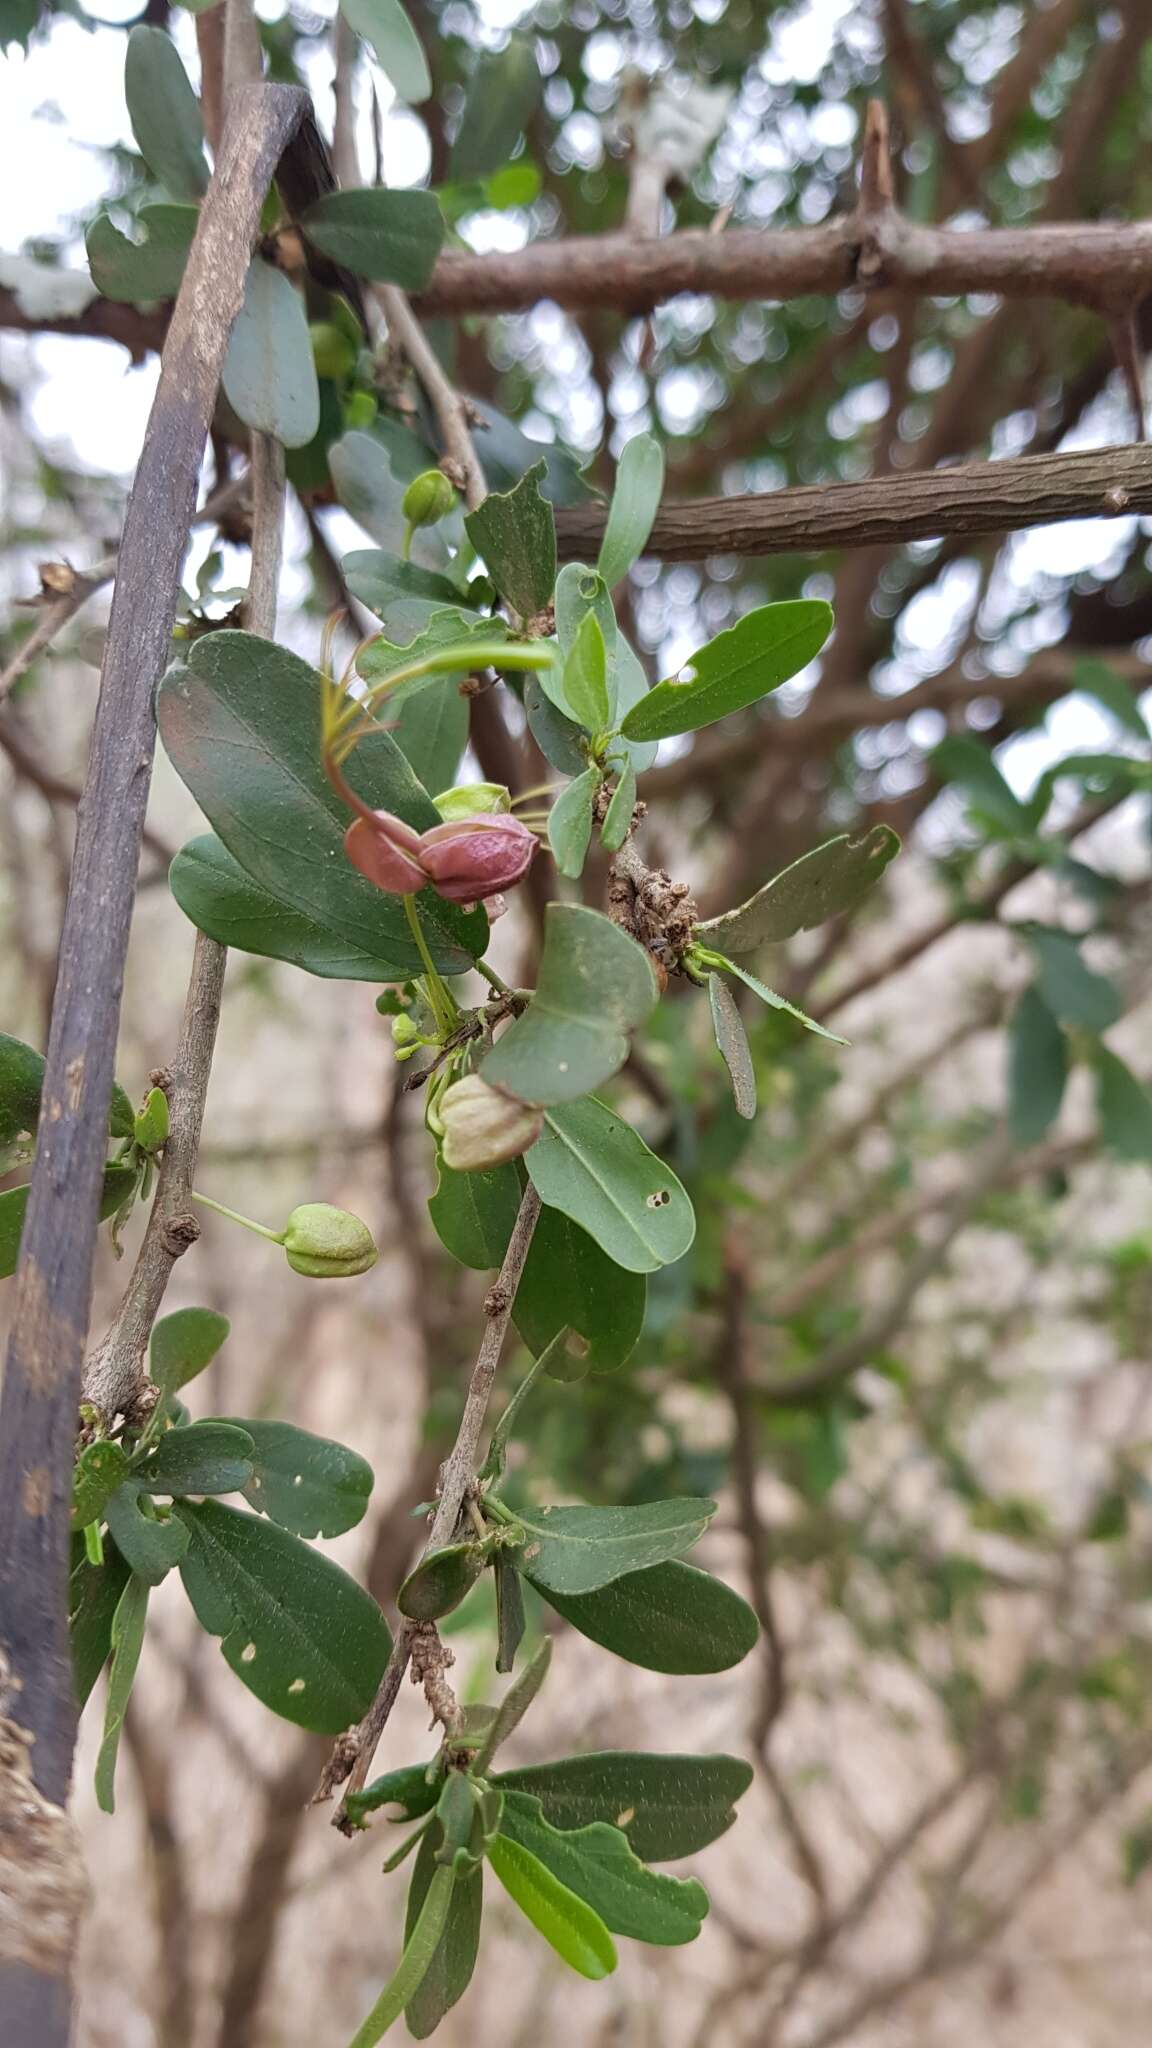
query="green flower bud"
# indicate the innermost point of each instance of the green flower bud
(333, 353)
(326, 1243)
(429, 497)
(473, 800)
(483, 1127)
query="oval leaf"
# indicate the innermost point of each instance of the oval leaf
(473, 1213)
(269, 375)
(568, 1283)
(298, 1632)
(618, 817)
(586, 676)
(578, 1550)
(183, 1344)
(1037, 1068)
(165, 113)
(515, 531)
(635, 503)
(441, 1580)
(146, 270)
(668, 1806)
(127, 1639)
(570, 823)
(1123, 1108)
(219, 898)
(395, 45)
(828, 882)
(597, 1170)
(1074, 992)
(736, 669)
(100, 1469)
(671, 1617)
(116, 1187)
(306, 1483)
(599, 1864)
(450, 1971)
(393, 237)
(732, 1039)
(577, 1934)
(205, 1457)
(502, 95)
(150, 1546)
(594, 987)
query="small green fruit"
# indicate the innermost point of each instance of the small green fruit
(326, 1243)
(332, 352)
(429, 497)
(473, 800)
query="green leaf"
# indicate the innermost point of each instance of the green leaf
(441, 1580)
(594, 987)
(430, 727)
(473, 1213)
(631, 689)
(514, 1706)
(183, 1344)
(502, 96)
(578, 1550)
(99, 1470)
(510, 1617)
(668, 1806)
(598, 1863)
(408, 1788)
(393, 237)
(419, 1951)
(116, 1187)
(558, 737)
(569, 1283)
(971, 766)
(618, 816)
(241, 723)
(21, 1081)
(402, 594)
(507, 452)
(165, 113)
(449, 1972)
(205, 1457)
(775, 1002)
(128, 1625)
(1093, 678)
(732, 1039)
(515, 532)
(373, 492)
(671, 1617)
(1037, 1068)
(146, 270)
(598, 1171)
(736, 669)
(93, 1596)
(635, 503)
(150, 1546)
(570, 822)
(1123, 1108)
(828, 882)
(219, 898)
(580, 594)
(269, 374)
(298, 1632)
(577, 1934)
(586, 676)
(395, 45)
(306, 1483)
(1074, 993)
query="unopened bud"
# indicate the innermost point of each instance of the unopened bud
(478, 856)
(472, 800)
(326, 1243)
(483, 1127)
(429, 497)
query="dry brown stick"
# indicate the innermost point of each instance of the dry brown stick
(352, 1758)
(973, 498)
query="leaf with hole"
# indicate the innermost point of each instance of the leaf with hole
(183, 1344)
(598, 1171)
(165, 113)
(1123, 1108)
(441, 1580)
(671, 1617)
(577, 1934)
(150, 269)
(594, 987)
(205, 1457)
(450, 1971)
(93, 1596)
(732, 1041)
(395, 44)
(581, 594)
(393, 237)
(298, 1632)
(118, 1183)
(269, 374)
(570, 1283)
(220, 898)
(241, 723)
(473, 1213)
(152, 1544)
(667, 1806)
(305, 1483)
(599, 1864)
(635, 503)
(128, 1625)
(501, 98)
(1037, 1068)
(570, 823)
(735, 670)
(578, 1550)
(515, 532)
(831, 881)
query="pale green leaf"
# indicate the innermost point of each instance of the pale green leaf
(635, 503)
(395, 44)
(577, 1934)
(735, 670)
(828, 882)
(269, 375)
(598, 1171)
(595, 986)
(165, 113)
(570, 823)
(391, 236)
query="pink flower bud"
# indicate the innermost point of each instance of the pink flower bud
(388, 851)
(473, 858)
